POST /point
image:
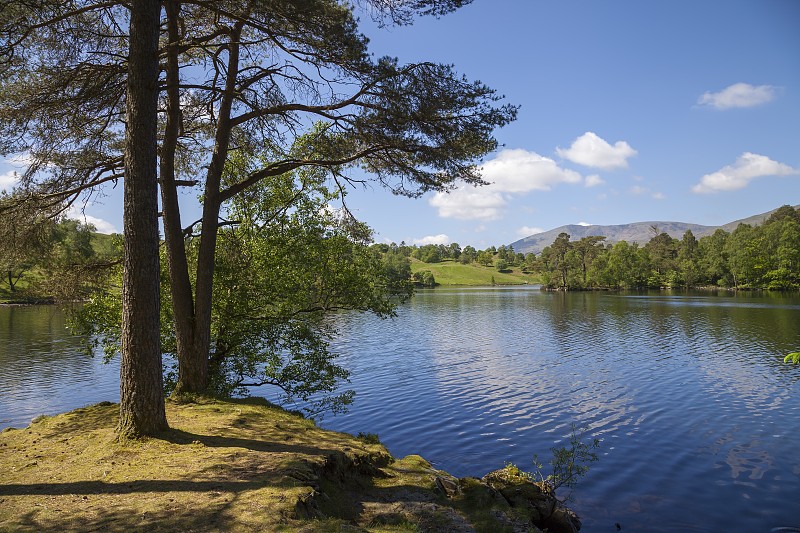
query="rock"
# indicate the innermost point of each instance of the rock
(537, 500)
(449, 486)
(562, 520)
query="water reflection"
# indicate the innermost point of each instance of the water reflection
(687, 391)
(42, 369)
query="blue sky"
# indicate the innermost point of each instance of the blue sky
(630, 111)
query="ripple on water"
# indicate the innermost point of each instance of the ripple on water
(696, 412)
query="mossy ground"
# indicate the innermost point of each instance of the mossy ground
(223, 466)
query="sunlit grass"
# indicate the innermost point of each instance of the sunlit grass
(451, 272)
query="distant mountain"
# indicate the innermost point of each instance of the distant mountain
(639, 232)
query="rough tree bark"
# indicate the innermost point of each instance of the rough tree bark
(193, 359)
(141, 381)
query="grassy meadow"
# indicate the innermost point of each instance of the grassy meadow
(453, 273)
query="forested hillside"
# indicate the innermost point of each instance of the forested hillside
(636, 232)
(755, 257)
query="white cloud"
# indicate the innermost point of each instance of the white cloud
(737, 176)
(525, 231)
(469, 203)
(584, 224)
(513, 171)
(8, 180)
(520, 171)
(100, 225)
(433, 239)
(592, 151)
(638, 190)
(738, 95)
(593, 181)
(658, 196)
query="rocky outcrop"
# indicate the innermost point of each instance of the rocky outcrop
(535, 500)
(411, 491)
(243, 465)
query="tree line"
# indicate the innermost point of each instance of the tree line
(502, 257)
(765, 256)
(50, 259)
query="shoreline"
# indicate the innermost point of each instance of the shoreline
(246, 465)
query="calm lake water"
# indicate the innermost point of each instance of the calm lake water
(698, 416)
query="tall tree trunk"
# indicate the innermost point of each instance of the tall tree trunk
(141, 380)
(180, 285)
(193, 362)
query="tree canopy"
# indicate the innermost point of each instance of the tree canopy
(271, 87)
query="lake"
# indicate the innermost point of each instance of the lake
(698, 415)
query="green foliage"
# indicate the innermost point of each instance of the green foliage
(52, 257)
(750, 257)
(793, 357)
(424, 278)
(280, 273)
(369, 438)
(569, 463)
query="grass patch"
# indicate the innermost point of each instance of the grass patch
(223, 466)
(234, 466)
(453, 273)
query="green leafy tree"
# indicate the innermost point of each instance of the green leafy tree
(569, 463)
(485, 258)
(746, 258)
(781, 240)
(424, 278)
(688, 259)
(468, 255)
(663, 252)
(784, 212)
(430, 253)
(587, 249)
(280, 274)
(560, 261)
(626, 266)
(237, 78)
(454, 251)
(397, 272)
(714, 258)
(25, 240)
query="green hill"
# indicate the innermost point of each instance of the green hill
(453, 273)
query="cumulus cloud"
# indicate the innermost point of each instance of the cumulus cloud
(100, 225)
(8, 180)
(525, 231)
(590, 150)
(738, 175)
(520, 171)
(738, 95)
(469, 203)
(433, 239)
(584, 224)
(513, 171)
(593, 181)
